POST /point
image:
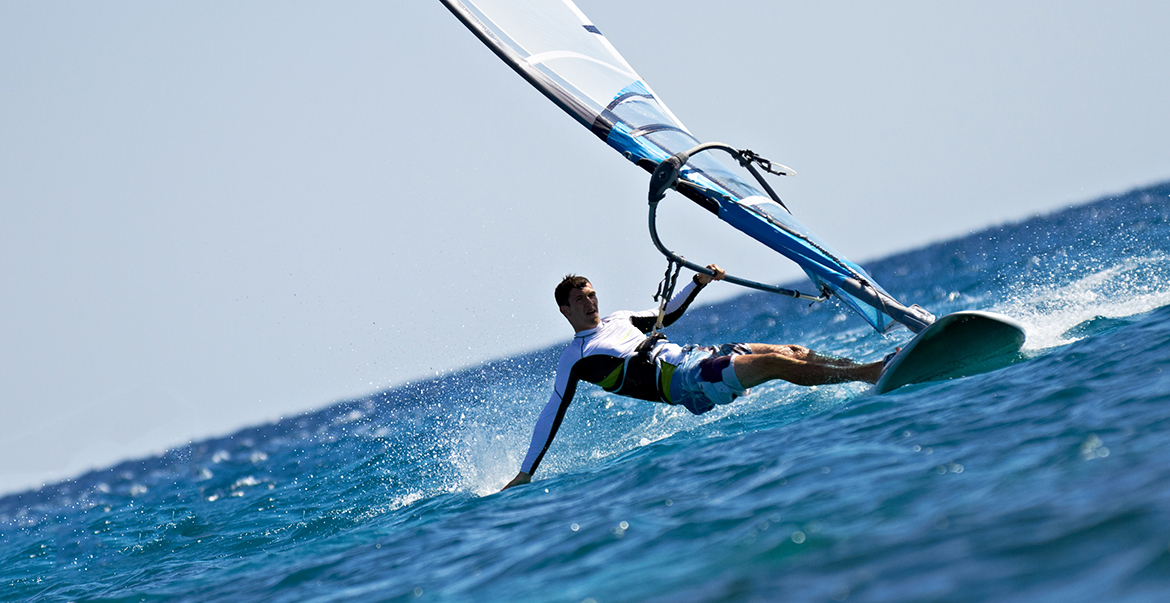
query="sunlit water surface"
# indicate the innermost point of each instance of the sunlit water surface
(1048, 480)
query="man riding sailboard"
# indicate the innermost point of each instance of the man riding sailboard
(625, 354)
(554, 47)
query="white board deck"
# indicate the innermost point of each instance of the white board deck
(956, 345)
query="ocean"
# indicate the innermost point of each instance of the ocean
(1048, 480)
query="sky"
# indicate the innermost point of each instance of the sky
(217, 214)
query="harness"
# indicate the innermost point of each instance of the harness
(641, 376)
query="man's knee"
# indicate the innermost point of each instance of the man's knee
(782, 356)
(796, 352)
(787, 350)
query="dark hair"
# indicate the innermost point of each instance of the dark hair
(570, 282)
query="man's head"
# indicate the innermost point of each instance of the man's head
(578, 302)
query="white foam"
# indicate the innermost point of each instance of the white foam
(484, 459)
(1130, 287)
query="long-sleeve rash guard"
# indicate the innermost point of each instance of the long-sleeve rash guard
(608, 355)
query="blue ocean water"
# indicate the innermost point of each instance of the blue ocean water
(1048, 480)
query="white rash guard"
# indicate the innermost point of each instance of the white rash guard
(608, 355)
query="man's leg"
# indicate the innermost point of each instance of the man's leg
(800, 353)
(799, 365)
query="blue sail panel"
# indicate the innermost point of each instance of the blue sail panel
(822, 265)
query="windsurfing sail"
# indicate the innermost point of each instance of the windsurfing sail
(554, 46)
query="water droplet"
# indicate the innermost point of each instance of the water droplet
(1093, 448)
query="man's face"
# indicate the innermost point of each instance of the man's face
(582, 308)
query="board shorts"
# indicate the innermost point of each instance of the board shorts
(705, 378)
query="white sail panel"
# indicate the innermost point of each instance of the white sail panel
(556, 39)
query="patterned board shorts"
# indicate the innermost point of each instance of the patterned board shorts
(705, 378)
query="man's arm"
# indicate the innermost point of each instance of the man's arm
(645, 321)
(550, 419)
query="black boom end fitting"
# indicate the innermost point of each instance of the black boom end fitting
(666, 175)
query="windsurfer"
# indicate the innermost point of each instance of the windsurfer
(624, 354)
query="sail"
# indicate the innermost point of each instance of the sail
(554, 46)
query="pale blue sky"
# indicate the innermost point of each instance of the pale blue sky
(214, 214)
